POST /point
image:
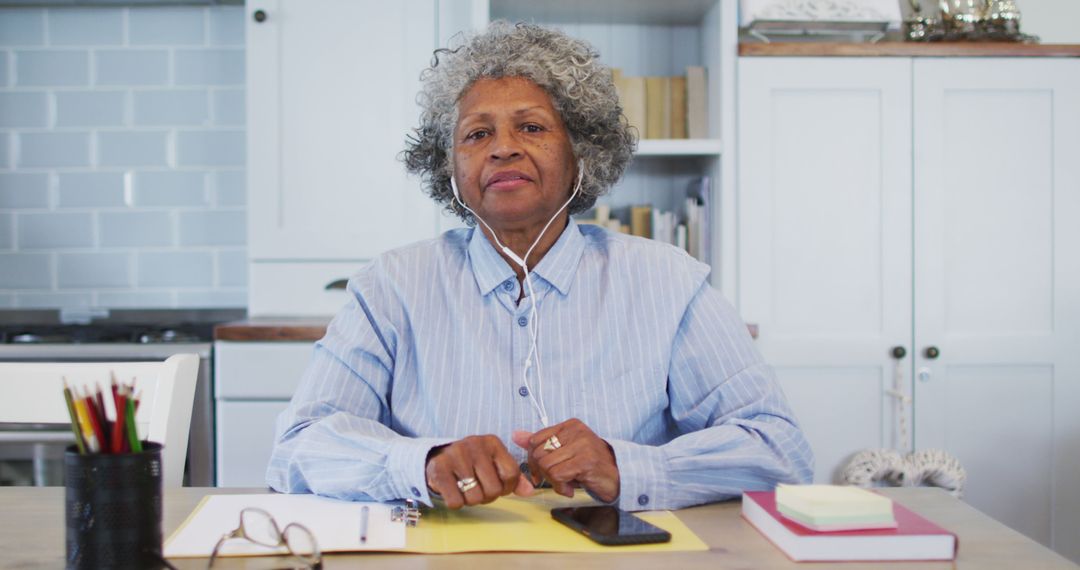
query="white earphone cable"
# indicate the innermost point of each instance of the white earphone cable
(534, 320)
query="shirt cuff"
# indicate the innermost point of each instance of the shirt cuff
(642, 475)
(406, 464)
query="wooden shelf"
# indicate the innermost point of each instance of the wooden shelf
(907, 49)
(679, 147)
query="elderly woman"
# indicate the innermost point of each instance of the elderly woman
(528, 348)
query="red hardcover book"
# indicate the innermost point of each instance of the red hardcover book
(914, 538)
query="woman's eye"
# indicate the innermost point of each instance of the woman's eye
(476, 135)
(533, 128)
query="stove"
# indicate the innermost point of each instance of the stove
(114, 336)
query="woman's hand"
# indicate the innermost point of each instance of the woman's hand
(581, 459)
(482, 458)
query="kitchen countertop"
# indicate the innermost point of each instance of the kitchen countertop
(256, 329)
(906, 49)
(295, 329)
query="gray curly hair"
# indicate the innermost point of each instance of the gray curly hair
(568, 69)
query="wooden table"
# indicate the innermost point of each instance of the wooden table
(32, 536)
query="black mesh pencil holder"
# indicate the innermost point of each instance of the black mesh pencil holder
(113, 509)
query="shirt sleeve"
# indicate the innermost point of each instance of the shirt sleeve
(734, 429)
(333, 438)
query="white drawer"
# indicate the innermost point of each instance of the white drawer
(258, 370)
(245, 439)
(297, 288)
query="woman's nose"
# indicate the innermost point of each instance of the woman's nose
(505, 145)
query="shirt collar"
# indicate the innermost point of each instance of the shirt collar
(557, 267)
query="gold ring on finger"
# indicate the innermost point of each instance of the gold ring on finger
(467, 483)
(552, 443)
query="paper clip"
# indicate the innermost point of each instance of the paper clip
(409, 514)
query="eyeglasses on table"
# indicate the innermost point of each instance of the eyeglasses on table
(259, 526)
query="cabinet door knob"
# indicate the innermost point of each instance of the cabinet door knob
(932, 352)
(899, 352)
(259, 15)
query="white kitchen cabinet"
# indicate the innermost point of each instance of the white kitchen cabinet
(253, 382)
(650, 39)
(923, 203)
(331, 88)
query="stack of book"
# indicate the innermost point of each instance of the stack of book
(853, 525)
(665, 107)
(687, 230)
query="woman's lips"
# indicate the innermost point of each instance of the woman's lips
(508, 180)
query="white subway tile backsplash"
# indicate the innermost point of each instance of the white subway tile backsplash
(213, 228)
(22, 27)
(85, 26)
(25, 271)
(5, 149)
(133, 299)
(24, 190)
(209, 66)
(91, 270)
(7, 230)
(54, 230)
(24, 109)
(51, 150)
(175, 269)
(52, 68)
(131, 67)
(170, 188)
(90, 108)
(122, 155)
(135, 229)
(5, 68)
(172, 107)
(232, 268)
(211, 148)
(230, 187)
(50, 300)
(90, 189)
(227, 25)
(211, 298)
(229, 107)
(133, 148)
(166, 26)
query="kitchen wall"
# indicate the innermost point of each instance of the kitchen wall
(122, 157)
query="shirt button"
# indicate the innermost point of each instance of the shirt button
(643, 500)
(523, 321)
(508, 286)
(523, 391)
(415, 492)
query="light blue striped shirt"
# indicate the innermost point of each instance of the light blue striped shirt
(633, 341)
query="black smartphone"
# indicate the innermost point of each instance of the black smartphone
(610, 526)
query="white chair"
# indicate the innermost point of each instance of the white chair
(33, 395)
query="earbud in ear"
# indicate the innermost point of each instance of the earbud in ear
(453, 186)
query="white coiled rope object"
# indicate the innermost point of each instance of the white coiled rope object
(889, 468)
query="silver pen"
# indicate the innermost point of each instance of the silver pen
(363, 524)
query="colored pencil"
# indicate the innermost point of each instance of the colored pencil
(133, 436)
(79, 443)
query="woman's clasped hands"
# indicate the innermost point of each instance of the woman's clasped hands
(478, 469)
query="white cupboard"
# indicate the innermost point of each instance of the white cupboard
(331, 98)
(254, 381)
(926, 204)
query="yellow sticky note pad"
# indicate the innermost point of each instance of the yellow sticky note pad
(513, 524)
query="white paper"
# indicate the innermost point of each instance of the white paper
(335, 524)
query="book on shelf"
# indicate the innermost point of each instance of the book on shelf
(665, 107)
(914, 537)
(697, 104)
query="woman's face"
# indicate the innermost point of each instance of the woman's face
(513, 162)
